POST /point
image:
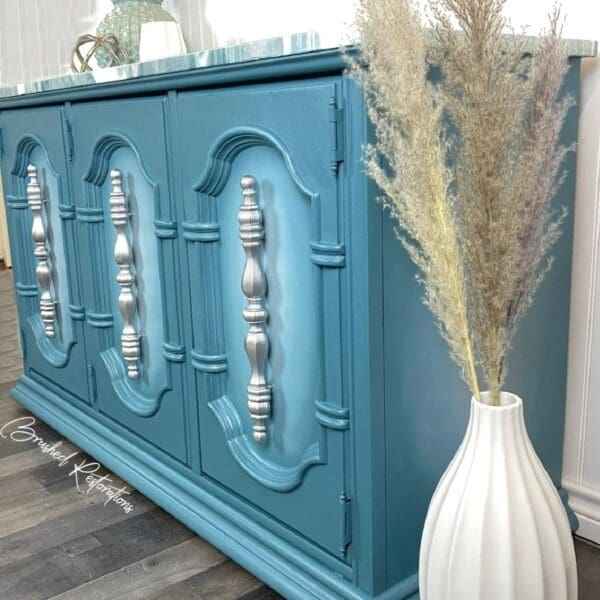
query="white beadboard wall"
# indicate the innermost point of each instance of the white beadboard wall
(36, 38)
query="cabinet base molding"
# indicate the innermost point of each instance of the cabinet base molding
(270, 558)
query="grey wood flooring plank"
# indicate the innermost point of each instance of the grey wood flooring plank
(40, 577)
(588, 566)
(9, 411)
(14, 487)
(177, 591)
(133, 540)
(4, 389)
(10, 359)
(46, 507)
(28, 459)
(12, 374)
(9, 322)
(261, 593)
(54, 478)
(54, 571)
(9, 446)
(149, 575)
(6, 403)
(68, 530)
(81, 544)
(51, 477)
(227, 581)
(11, 368)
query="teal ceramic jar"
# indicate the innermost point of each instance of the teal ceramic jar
(125, 23)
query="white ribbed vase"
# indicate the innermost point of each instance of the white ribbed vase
(496, 528)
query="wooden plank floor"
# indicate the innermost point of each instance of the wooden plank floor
(10, 349)
(58, 543)
(61, 543)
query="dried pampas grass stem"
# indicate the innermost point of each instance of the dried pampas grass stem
(468, 162)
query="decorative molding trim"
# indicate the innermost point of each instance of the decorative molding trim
(58, 352)
(86, 214)
(25, 146)
(201, 232)
(254, 286)
(28, 291)
(326, 254)
(229, 145)
(332, 416)
(99, 320)
(166, 230)
(97, 171)
(138, 403)
(174, 353)
(119, 214)
(41, 254)
(209, 363)
(55, 357)
(269, 474)
(16, 202)
(77, 312)
(66, 211)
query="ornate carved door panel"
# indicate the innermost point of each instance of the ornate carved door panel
(44, 248)
(128, 218)
(266, 260)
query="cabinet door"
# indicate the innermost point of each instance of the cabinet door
(128, 222)
(267, 354)
(41, 220)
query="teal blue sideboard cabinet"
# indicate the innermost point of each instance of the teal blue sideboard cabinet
(213, 305)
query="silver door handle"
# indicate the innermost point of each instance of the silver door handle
(40, 252)
(254, 286)
(130, 338)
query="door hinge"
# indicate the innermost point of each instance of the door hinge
(345, 523)
(92, 383)
(336, 134)
(69, 138)
(1, 145)
(23, 346)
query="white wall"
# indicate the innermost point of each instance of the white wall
(581, 470)
(37, 36)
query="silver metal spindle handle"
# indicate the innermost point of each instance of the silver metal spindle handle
(254, 286)
(130, 338)
(40, 252)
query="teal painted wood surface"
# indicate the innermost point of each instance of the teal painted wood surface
(367, 409)
(35, 136)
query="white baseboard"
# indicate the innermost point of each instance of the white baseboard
(585, 503)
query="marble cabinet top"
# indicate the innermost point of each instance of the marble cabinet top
(268, 48)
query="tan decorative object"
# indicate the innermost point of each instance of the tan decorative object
(474, 161)
(80, 63)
